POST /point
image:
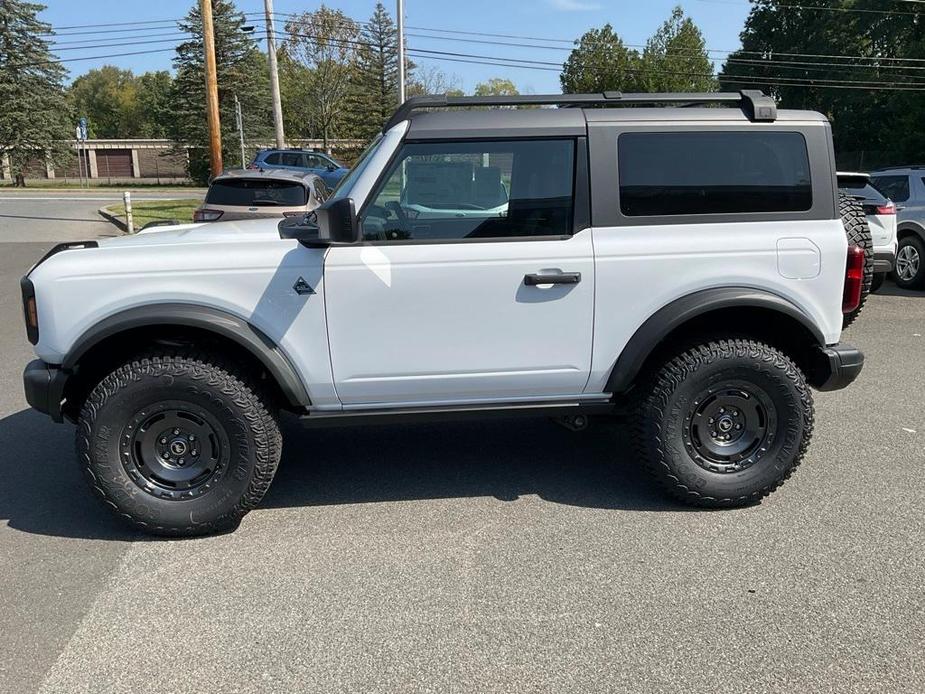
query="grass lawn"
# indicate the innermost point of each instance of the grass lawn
(146, 211)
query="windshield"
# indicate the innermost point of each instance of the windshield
(346, 184)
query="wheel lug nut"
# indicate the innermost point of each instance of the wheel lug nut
(163, 440)
(738, 426)
(176, 432)
(722, 410)
(192, 438)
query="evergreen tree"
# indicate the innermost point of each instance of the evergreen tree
(34, 117)
(675, 58)
(600, 62)
(242, 71)
(373, 86)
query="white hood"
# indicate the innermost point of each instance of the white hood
(209, 232)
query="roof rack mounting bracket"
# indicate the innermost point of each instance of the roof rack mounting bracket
(755, 104)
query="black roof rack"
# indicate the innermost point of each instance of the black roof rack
(756, 105)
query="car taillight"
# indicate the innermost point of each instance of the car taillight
(854, 278)
(206, 215)
(889, 208)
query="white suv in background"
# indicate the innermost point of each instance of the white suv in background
(880, 213)
(905, 186)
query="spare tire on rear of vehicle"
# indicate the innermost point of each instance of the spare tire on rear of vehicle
(858, 233)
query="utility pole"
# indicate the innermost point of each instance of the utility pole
(274, 75)
(240, 123)
(208, 47)
(400, 22)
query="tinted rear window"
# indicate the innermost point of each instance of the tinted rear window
(257, 192)
(672, 173)
(860, 188)
(896, 188)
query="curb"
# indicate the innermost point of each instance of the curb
(113, 219)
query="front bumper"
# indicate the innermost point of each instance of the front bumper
(44, 387)
(884, 260)
(844, 364)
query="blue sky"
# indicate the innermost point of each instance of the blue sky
(720, 20)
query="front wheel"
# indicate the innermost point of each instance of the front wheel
(178, 443)
(724, 423)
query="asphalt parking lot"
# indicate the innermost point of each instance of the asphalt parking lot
(508, 556)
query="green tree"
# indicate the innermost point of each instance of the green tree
(600, 62)
(34, 115)
(872, 125)
(373, 84)
(496, 86)
(108, 98)
(242, 71)
(675, 58)
(155, 94)
(325, 43)
(294, 81)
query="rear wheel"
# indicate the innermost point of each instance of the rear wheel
(724, 423)
(178, 443)
(910, 263)
(858, 233)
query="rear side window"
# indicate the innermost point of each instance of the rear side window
(689, 173)
(896, 188)
(272, 159)
(257, 192)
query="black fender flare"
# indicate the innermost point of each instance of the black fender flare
(207, 318)
(675, 314)
(914, 227)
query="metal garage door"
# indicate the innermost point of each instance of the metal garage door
(115, 163)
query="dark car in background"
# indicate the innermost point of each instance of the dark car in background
(304, 160)
(245, 194)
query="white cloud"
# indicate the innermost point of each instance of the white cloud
(573, 5)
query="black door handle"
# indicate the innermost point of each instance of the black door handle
(536, 278)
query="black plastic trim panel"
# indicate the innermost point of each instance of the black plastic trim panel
(680, 311)
(207, 318)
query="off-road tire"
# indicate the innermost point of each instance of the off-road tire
(917, 281)
(245, 450)
(858, 233)
(671, 395)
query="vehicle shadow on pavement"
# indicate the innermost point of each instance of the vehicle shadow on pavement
(43, 490)
(890, 289)
(501, 458)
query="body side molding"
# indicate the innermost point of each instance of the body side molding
(675, 314)
(207, 318)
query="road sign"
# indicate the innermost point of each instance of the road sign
(83, 129)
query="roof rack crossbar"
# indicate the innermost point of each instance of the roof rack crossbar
(756, 105)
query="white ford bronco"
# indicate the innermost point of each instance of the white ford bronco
(636, 254)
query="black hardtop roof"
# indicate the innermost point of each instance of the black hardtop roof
(753, 104)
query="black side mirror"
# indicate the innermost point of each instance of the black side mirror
(332, 224)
